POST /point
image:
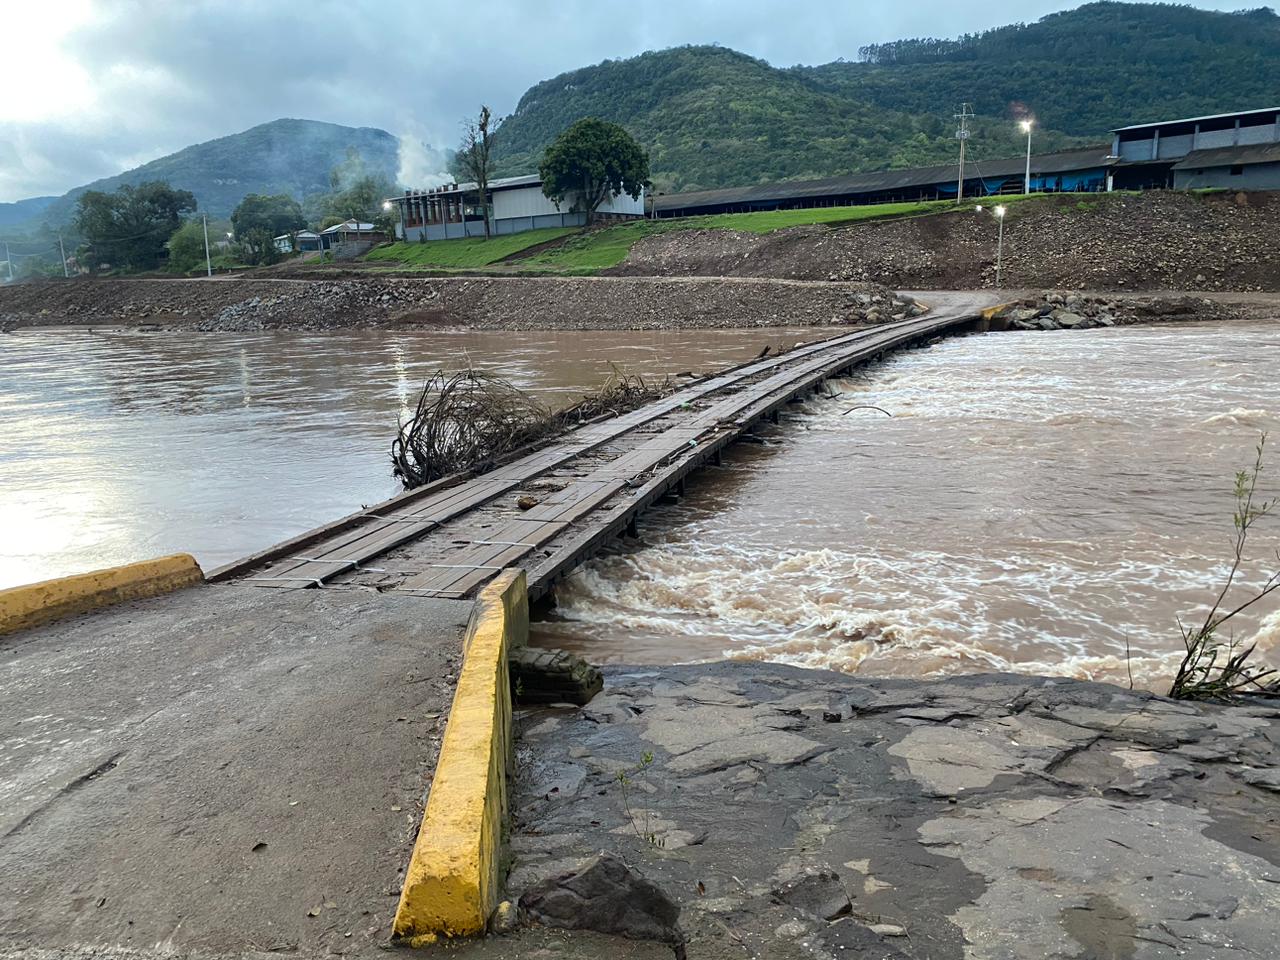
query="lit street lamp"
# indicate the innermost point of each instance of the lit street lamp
(1026, 126)
(999, 215)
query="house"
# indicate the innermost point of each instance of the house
(350, 231)
(302, 241)
(516, 204)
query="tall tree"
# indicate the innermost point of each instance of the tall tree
(473, 157)
(259, 219)
(129, 228)
(592, 161)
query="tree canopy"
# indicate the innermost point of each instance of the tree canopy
(590, 162)
(258, 220)
(128, 229)
(186, 247)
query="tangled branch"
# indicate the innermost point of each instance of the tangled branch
(470, 419)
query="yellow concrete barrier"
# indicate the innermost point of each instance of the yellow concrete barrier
(454, 877)
(34, 604)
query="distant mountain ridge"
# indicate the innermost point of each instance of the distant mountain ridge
(283, 156)
(22, 211)
(713, 117)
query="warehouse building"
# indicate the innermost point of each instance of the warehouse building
(1229, 150)
(516, 204)
(1071, 171)
(1233, 151)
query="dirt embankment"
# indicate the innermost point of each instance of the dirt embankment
(483, 303)
(1156, 241)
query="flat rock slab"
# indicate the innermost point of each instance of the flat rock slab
(993, 816)
(223, 771)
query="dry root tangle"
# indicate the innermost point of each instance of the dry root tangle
(469, 420)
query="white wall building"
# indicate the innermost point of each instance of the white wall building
(516, 204)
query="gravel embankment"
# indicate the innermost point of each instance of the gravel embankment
(482, 303)
(1157, 241)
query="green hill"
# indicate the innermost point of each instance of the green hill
(713, 117)
(283, 156)
(23, 211)
(1083, 71)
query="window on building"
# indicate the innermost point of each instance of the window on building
(1237, 170)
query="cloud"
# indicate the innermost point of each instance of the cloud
(124, 81)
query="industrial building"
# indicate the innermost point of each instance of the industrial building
(1228, 150)
(1072, 171)
(516, 204)
(1235, 151)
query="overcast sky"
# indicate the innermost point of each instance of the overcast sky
(93, 87)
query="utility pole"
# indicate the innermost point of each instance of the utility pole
(8, 260)
(962, 134)
(66, 274)
(208, 262)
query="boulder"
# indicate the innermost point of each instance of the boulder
(1069, 320)
(552, 676)
(818, 893)
(607, 896)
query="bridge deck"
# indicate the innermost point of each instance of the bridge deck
(447, 539)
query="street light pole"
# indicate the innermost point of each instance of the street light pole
(208, 261)
(1026, 128)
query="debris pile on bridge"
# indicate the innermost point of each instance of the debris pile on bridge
(470, 419)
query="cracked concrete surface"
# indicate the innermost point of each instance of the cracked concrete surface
(972, 818)
(222, 771)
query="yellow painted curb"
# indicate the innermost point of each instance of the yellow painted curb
(38, 603)
(452, 883)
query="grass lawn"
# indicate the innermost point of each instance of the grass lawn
(463, 253)
(609, 247)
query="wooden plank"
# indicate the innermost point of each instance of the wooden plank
(364, 537)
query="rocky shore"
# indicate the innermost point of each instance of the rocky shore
(493, 303)
(787, 813)
(1078, 311)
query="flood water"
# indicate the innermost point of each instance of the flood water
(117, 446)
(1036, 502)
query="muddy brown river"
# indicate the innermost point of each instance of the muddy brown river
(123, 445)
(1035, 502)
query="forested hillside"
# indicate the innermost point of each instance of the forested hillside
(283, 156)
(714, 117)
(1084, 71)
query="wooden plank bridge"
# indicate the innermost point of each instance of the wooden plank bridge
(448, 538)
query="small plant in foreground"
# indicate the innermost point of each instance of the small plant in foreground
(1200, 677)
(624, 783)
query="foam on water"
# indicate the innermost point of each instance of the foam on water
(1042, 503)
